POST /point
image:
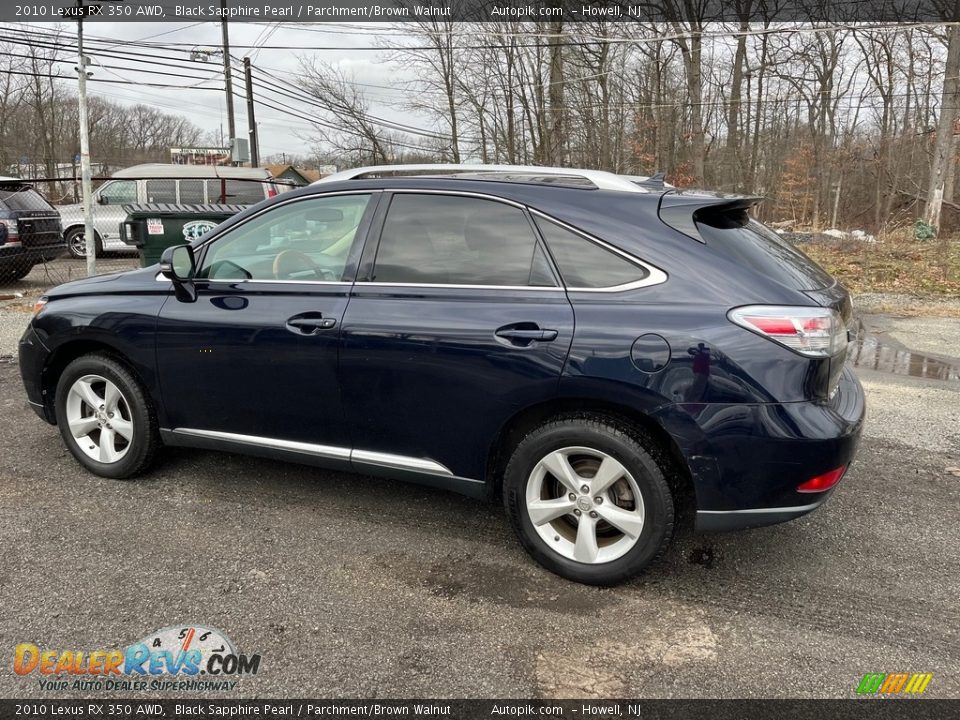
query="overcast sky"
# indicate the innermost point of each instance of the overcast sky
(207, 109)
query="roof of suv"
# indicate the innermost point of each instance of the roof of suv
(170, 170)
(569, 177)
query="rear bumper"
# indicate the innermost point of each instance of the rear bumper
(723, 520)
(746, 460)
(17, 255)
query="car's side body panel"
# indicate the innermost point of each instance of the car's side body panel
(415, 383)
(425, 375)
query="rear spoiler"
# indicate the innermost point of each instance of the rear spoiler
(679, 210)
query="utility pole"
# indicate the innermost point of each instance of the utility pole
(227, 78)
(85, 185)
(251, 118)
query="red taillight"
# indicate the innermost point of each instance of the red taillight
(823, 482)
(10, 233)
(772, 326)
(810, 331)
(271, 193)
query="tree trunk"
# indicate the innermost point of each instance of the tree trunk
(949, 98)
(556, 141)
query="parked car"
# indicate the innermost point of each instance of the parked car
(160, 183)
(30, 230)
(601, 353)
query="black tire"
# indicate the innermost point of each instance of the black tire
(632, 448)
(15, 272)
(75, 252)
(146, 437)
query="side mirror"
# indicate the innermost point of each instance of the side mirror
(102, 199)
(179, 265)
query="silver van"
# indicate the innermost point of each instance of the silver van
(161, 183)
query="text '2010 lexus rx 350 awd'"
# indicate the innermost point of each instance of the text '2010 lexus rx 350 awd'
(598, 351)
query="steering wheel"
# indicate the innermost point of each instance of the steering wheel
(288, 262)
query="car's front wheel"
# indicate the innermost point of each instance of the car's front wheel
(589, 500)
(77, 243)
(105, 417)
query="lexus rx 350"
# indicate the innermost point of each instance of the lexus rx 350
(600, 352)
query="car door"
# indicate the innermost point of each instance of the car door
(108, 212)
(456, 324)
(254, 358)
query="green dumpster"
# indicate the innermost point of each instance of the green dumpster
(156, 226)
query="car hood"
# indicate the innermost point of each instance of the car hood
(127, 281)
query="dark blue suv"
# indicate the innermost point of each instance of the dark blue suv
(601, 352)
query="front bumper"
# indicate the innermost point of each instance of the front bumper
(33, 356)
(746, 460)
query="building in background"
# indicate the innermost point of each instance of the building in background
(200, 156)
(300, 176)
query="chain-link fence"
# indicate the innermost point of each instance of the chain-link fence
(43, 245)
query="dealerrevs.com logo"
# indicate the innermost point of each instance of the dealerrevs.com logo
(187, 657)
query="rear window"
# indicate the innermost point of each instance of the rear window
(755, 246)
(19, 197)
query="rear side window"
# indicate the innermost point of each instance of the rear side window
(244, 192)
(21, 197)
(753, 245)
(584, 264)
(191, 192)
(161, 191)
(451, 240)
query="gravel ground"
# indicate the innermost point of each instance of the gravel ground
(352, 586)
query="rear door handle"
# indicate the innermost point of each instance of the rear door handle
(309, 323)
(528, 333)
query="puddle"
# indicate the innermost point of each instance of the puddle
(870, 352)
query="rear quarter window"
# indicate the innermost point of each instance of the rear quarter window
(584, 264)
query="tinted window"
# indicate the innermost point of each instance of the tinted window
(755, 246)
(119, 192)
(244, 192)
(191, 192)
(584, 264)
(306, 240)
(161, 191)
(214, 191)
(445, 239)
(21, 197)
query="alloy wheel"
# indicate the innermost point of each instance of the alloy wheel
(78, 244)
(585, 505)
(99, 419)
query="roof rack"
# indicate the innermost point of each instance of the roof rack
(601, 179)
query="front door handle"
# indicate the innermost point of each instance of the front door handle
(309, 323)
(524, 334)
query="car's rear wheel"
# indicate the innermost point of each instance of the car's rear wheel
(589, 500)
(105, 417)
(77, 243)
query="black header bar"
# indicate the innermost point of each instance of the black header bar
(571, 11)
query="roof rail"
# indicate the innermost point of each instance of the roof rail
(601, 179)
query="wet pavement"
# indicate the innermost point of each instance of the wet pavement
(878, 351)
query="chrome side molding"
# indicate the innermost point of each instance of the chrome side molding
(400, 462)
(369, 457)
(327, 451)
